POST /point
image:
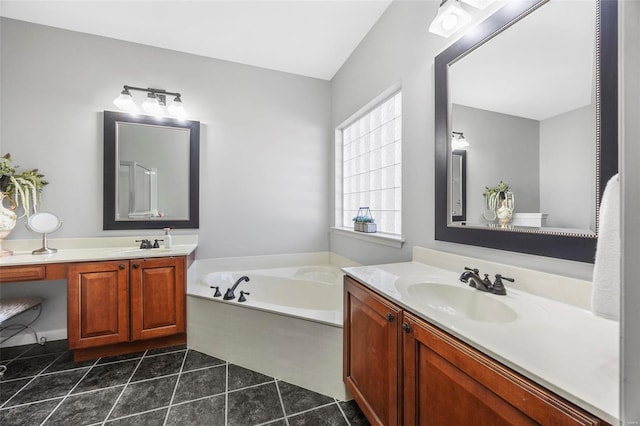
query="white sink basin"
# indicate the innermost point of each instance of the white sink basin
(461, 301)
(140, 252)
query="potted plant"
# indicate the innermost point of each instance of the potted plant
(22, 189)
(500, 200)
(364, 222)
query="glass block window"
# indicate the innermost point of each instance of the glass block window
(372, 166)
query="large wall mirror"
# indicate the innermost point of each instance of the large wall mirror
(150, 172)
(533, 89)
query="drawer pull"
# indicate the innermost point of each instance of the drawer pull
(389, 317)
(121, 266)
(406, 327)
(136, 265)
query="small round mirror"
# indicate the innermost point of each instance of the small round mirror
(44, 222)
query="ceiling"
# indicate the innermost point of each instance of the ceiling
(305, 37)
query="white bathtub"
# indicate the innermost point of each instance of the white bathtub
(290, 327)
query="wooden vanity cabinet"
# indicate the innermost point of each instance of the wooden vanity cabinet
(372, 363)
(97, 303)
(157, 297)
(114, 304)
(440, 380)
(448, 382)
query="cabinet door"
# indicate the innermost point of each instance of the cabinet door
(447, 382)
(97, 300)
(371, 353)
(157, 297)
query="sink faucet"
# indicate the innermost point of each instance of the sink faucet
(472, 276)
(229, 294)
(145, 244)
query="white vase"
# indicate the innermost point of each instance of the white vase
(7, 223)
(504, 213)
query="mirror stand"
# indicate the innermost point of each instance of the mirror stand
(44, 223)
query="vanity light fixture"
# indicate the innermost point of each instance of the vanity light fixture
(450, 18)
(458, 141)
(154, 104)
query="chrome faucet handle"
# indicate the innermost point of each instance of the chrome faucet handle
(475, 270)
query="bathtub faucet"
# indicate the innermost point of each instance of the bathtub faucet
(229, 294)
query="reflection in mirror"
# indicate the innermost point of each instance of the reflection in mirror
(458, 185)
(152, 157)
(538, 103)
(527, 100)
(151, 172)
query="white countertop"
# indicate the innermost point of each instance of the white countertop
(90, 249)
(566, 349)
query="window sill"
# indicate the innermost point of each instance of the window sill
(376, 237)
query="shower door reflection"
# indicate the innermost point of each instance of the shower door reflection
(138, 191)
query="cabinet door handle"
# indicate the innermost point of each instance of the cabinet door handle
(121, 266)
(406, 327)
(389, 317)
(136, 265)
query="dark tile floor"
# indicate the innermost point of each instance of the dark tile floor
(171, 386)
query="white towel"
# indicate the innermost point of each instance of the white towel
(605, 299)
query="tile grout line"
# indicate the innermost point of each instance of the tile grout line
(253, 386)
(226, 395)
(3, 405)
(134, 414)
(175, 387)
(123, 389)
(70, 390)
(342, 411)
(312, 409)
(284, 411)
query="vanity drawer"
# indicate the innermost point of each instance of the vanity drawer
(54, 271)
(22, 273)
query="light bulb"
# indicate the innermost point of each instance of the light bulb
(151, 105)
(176, 108)
(125, 102)
(458, 141)
(450, 18)
(449, 22)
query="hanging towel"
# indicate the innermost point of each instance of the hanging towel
(605, 299)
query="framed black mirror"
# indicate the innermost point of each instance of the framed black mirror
(465, 71)
(151, 172)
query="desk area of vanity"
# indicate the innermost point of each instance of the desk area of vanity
(120, 298)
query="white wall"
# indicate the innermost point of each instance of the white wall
(399, 49)
(567, 173)
(264, 149)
